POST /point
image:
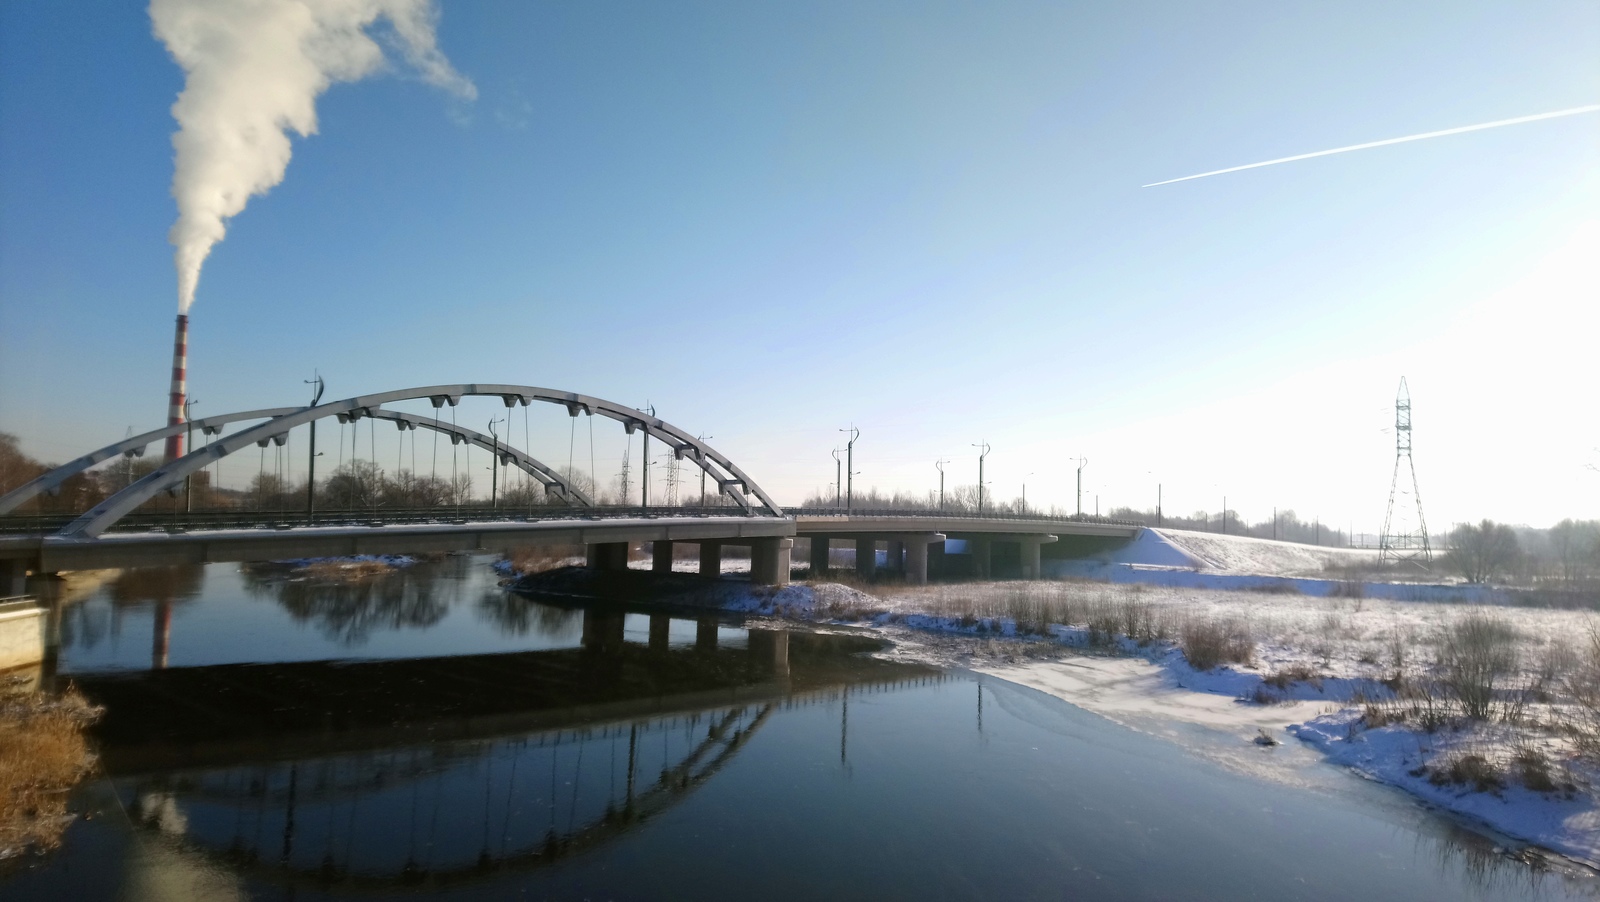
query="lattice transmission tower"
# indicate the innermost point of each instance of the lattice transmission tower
(1405, 537)
(625, 450)
(670, 458)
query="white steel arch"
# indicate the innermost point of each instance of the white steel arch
(731, 481)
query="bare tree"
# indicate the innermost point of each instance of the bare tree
(1483, 550)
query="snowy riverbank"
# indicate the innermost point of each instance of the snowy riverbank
(1337, 674)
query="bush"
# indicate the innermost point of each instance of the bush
(1466, 770)
(1477, 654)
(1209, 643)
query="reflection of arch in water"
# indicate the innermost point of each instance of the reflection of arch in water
(302, 844)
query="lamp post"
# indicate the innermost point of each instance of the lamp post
(494, 466)
(311, 455)
(939, 464)
(1025, 493)
(981, 455)
(850, 466)
(188, 481)
(1082, 462)
(838, 479)
(702, 440)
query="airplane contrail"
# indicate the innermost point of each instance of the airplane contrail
(1439, 134)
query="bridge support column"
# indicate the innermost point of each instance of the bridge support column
(769, 561)
(710, 558)
(13, 577)
(608, 556)
(1029, 546)
(705, 634)
(866, 556)
(917, 563)
(980, 557)
(819, 555)
(896, 558)
(769, 652)
(603, 630)
(661, 557)
(660, 631)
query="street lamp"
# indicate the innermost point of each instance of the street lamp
(850, 466)
(311, 455)
(702, 439)
(188, 481)
(1025, 493)
(1082, 462)
(981, 455)
(939, 464)
(839, 478)
(494, 466)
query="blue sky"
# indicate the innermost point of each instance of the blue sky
(774, 220)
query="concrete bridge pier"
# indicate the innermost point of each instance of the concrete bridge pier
(980, 557)
(705, 634)
(769, 561)
(769, 651)
(603, 630)
(895, 559)
(866, 557)
(660, 632)
(710, 558)
(1030, 554)
(611, 556)
(661, 556)
(13, 577)
(819, 555)
(916, 564)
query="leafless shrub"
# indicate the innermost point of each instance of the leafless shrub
(1465, 769)
(1209, 643)
(1295, 673)
(1348, 588)
(1477, 656)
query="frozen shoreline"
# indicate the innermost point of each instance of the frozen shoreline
(1150, 686)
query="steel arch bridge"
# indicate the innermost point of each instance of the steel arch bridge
(169, 478)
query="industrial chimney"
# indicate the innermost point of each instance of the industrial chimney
(180, 365)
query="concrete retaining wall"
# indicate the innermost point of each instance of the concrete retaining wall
(22, 634)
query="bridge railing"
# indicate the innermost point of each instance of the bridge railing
(285, 519)
(953, 515)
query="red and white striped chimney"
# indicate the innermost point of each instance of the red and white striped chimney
(180, 365)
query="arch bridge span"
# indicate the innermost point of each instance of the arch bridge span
(731, 481)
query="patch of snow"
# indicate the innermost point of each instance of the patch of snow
(393, 560)
(1566, 822)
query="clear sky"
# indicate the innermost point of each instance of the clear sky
(773, 220)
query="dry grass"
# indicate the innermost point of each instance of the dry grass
(539, 558)
(345, 571)
(1210, 643)
(43, 754)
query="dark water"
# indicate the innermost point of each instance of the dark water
(570, 753)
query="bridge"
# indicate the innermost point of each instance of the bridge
(121, 530)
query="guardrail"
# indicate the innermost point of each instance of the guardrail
(257, 519)
(191, 521)
(953, 515)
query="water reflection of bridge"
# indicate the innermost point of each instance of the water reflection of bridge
(442, 771)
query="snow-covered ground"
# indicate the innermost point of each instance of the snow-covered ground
(1202, 560)
(1316, 662)
(1323, 661)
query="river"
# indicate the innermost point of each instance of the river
(425, 733)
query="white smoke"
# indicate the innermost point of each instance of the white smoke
(255, 69)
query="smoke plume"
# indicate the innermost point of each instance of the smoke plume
(254, 71)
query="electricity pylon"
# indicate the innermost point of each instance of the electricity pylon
(1404, 539)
